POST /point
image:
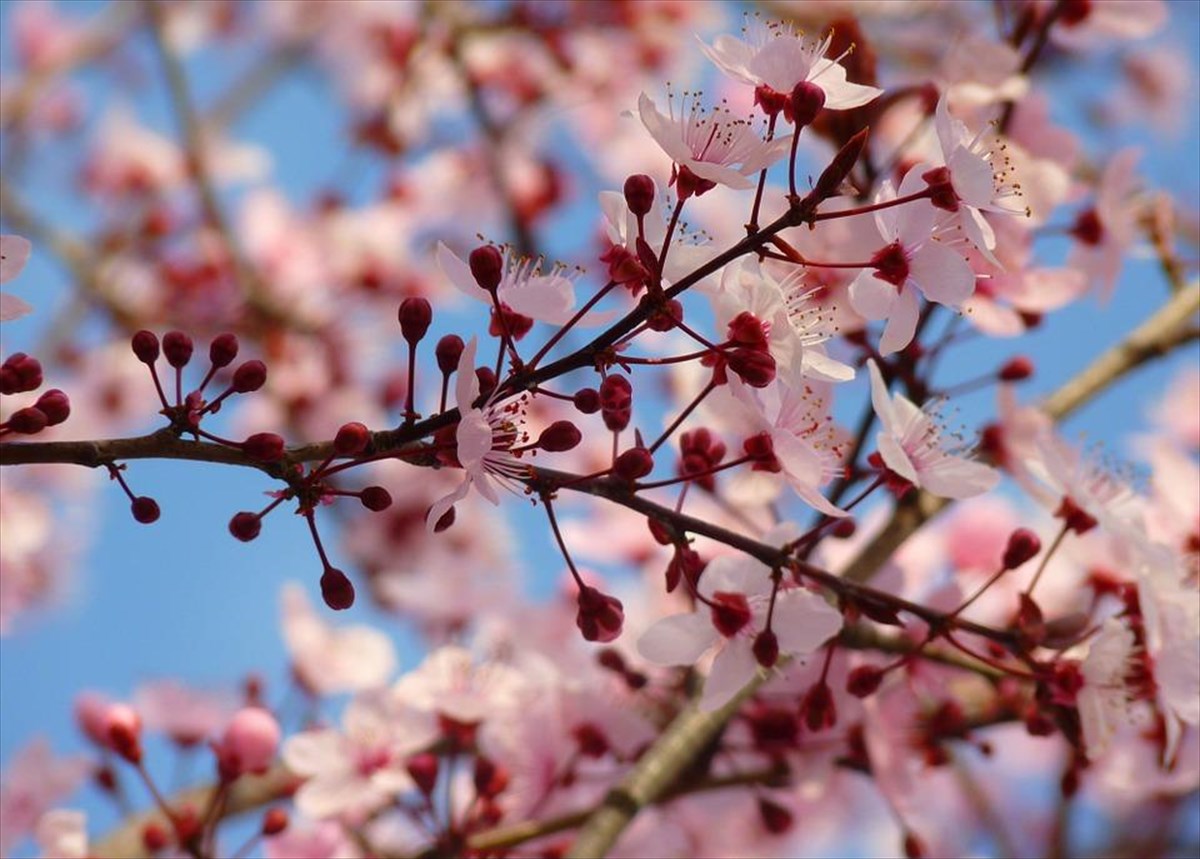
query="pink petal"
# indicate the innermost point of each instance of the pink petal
(12, 307)
(733, 667)
(547, 298)
(14, 253)
(880, 399)
(895, 457)
(679, 639)
(804, 621)
(954, 477)
(665, 132)
(942, 273)
(872, 297)
(902, 324)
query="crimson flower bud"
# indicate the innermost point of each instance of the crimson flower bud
(762, 448)
(274, 821)
(223, 350)
(375, 498)
(351, 439)
(55, 405)
(487, 380)
(122, 732)
(490, 778)
(616, 402)
(587, 400)
(145, 346)
(640, 193)
(633, 464)
(177, 348)
(28, 421)
(818, 709)
(264, 446)
(775, 818)
(843, 529)
(449, 350)
(155, 837)
(808, 99)
(730, 612)
(20, 373)
(592, 741)
(560, 436)
(746, 329)
(249, 377)
(1016, 370)
(1023, 545)
(600, 616)
(249, 742)
(863, 681)
(336, 589)
(245, 526)
(145, 509)
(830, 181)
(415, 315)
(487, 267)
(942, 193)
(665, 316)
(424, 768)
(755, 367)
(766, 648)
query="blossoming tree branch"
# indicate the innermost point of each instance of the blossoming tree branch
(801, 606)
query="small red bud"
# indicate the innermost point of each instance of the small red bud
(28, 421)
(123, 729)
(490, 778)
(20, 373)
(766, 648)
(808, 99)
(424, 771)
(223, 350)
(616, 402)
(55, 405)
(633, 464)
(560, 436)
(863, 681)
(730, 612)
(336, 589)
(249, 377)
(600, 616)
(177, 348)
(1016, 370)
(264, 446)
(145, 346)
(351, 439)
(245, 526)
(145, 509)
(775, 818)
(415, 315)
(1023, 545)
(587, 400)
(487, 267)
(154, 837)
(274, 821)
(376, 498)
(818, 709)
(843, 529)
(755, 367)
(487, 380)
(449, 350)
(640, 193)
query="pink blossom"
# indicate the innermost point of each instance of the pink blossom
(326, 839)
(1104, 699)
(1105, 232)
(186, 714)
(1178, 411)
(327, 659)
(14, 253)
(34, 781)
(249, 742)
(62, 834)
(1099, 22)
(802, 621)
(524, 288)
(450, 683)
(912, 445)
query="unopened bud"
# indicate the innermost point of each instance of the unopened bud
(634, 464)
(640, 193)
(559, 437)
(766, 648)
(1016, 370)
(600, 617)
(223, 350)
(245, 526)
(375, 498)
(587, 400)
(145, 509)
(616, 402)
(336, 589)
(55, 405)
(28, 421)
(249, 377)
(264, 446)
(755, 367)
(145, 346)
(1023, 545)
(351, 439)
(274, 822)
(863, 681)
(177, 348)
(449, 350)
(487, 267)
(415, 315)
(807, 101)
(424, 768)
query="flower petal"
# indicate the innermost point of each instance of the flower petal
(942, 273)
(679, 639)
(902, 324)
(14, 253)
(733, 667)
(803, 621)
(872, 297)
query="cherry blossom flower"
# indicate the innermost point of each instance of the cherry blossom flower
(361, 767)
(620, 225)
(327, 659)
(911, 444)
(737, 593)
(30, 786)
(523, 288)
(14, 253)
(709, 148)
(485, 439)
(185, 714)
(451, 684)
(1105, 232)
(62, 834)
(1178, 412)
(776, 56)
(1104, 700)
(326, 839)
(912, 261)
(1082, 489)
(1098, 22)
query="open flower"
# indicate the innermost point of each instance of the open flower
(736, 590)
(1104, 699)
(14, 253)
(775, 56)
(912, 261)
(523, 288)
(912, 446)
(485, 439)
(709, 148)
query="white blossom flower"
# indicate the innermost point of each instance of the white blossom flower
(14, 253)
(523, 289)
(911, 444)
(1103, 700)
(329, 659)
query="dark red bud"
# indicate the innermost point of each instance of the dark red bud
(808, 99)
(830, 181)
(1023, 545)
(634, 464)
(665, 316)
(746, 329)
(145, 509)
(640, 193)
(730, 612)
(587, 400)
(177, 348)
(223, 350)
(336, 589)
(28, 421)
(818, 709)
(415, 315)
(775, 818)
(755, 367)
(55, 405)
(762, 448)
(274, 822)
(863, 681)
(616, 402)
(376, 498)
(20, 373)
(351, 439)
(249, 377)
(1016, 370)
(560, 436)
(245, 526)
(424, 769)
(843, 529)
(766, 648)
(449, 350)
(600, 617)
(264, 446)
(487, 267)
(490, 778)
(145, 346)
(487, 380)
(155, 837)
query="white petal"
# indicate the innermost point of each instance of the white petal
(735, 574)
(439, 507)
(731, 55)
(895, 458)
(727, 176)
(680, 639)
(466, 384)
(880, 398)
(330, 796)
(942, 273)
(953, 477)
(459, 274)
(14, 253)
(547, 298)
(733, 667)
(12, 307)
(971, 177)
(872, 297)
(902, 324)
(815, 364)
(803, 621)
(312, 752)
(665, 132)
(474, 439)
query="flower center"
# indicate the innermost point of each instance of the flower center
(891, 264)
(730, 612)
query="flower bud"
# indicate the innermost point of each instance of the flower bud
(560, 436)
(245, 526)
(250, 741)
(1023, 545)
(177, 348)
(766, 648)
(818, 709)
(487, 267)
(145, 346)
(587, 400)
(28, 421)
(600, 616)
(336, 589)
(755, 367)
(223, 350)
(20, 373)
(145, 509)
(666, 315)
(808, 99)
(1016, 370)
(351, 439)
(415, 315)
(274, 821)
(634, 464)
(449, 350)
(490, 778)
(375, 498)
(762, 448)
(775, 818)
(487, 380)
(863, 681)
(249, 377)
(155, 837)
(122, 732)
(264, 446)
(424, 768)
(616, 402)
(55, 405)
(830, 181)
(746, 329)
(640, 193)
